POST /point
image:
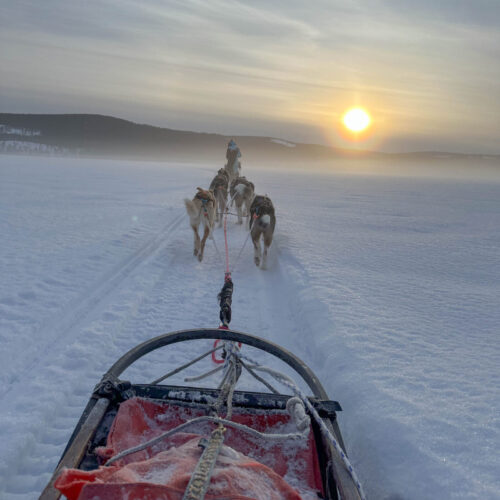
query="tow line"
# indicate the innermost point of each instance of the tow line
(225, 297)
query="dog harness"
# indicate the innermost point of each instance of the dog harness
(219, 182)
(241, 180)
(204, 200)
(261, 205)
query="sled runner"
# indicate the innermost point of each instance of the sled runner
(121, 415)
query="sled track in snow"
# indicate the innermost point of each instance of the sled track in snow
(36, 451)
(81, 307)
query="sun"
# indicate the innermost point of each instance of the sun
(356, 120)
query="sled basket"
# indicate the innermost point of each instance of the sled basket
(121, 415)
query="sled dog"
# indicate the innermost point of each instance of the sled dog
(262, 222)
(242, 193)
(201, 209)
(219, 186)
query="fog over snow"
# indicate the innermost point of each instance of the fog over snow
(387, 287)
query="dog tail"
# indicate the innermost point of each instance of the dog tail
(265, 220)
(191, 207)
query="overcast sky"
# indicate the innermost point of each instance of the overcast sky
(428, 71)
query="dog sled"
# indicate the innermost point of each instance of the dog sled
(121, 416)
(160, 441)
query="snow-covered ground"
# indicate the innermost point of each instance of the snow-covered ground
(388, 287)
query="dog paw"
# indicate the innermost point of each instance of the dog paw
(195, 252)
(257, 261)
(200, 257)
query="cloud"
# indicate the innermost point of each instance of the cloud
(427, 68)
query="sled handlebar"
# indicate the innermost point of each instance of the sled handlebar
(214, 333)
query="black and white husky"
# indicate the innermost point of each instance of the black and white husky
(242, 193)
(262, 222)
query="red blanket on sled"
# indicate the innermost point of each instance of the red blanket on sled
(163, 471)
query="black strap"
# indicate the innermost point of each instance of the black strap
(225, 299)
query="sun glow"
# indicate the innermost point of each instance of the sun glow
(356, 119)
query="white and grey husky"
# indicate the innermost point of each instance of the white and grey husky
(242, 193)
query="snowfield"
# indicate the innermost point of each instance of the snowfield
(387, 287)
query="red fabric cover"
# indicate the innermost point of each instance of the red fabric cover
(163, 471)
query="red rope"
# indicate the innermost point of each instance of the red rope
(216, 360)
(228, 272)
(216, 343)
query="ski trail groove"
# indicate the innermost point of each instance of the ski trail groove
(41, 444)
(79, 308)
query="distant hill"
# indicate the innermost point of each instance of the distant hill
(105, 136)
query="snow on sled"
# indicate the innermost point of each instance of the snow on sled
(157, 441)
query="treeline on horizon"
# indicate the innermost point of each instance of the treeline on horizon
(106, 136)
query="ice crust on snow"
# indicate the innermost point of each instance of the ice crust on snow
(387, 287)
